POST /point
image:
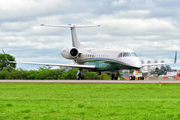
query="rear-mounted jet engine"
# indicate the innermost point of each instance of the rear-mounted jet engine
(70, 52)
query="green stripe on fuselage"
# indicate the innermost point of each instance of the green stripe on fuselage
(102, 65)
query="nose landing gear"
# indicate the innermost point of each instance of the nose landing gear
(114, 76)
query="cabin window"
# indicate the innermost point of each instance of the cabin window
(133, 54)
(126, 54)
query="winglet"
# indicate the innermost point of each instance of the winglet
(175, 59)
(6, 57)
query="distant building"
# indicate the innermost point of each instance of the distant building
(162, 61)
(149, 62)
(171, 74)
(153, 68)
(149, 67)
(155, 61)
(142, 62)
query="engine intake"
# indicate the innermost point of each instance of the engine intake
(70, 52)
(74, 52)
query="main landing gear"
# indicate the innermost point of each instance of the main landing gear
(114, 76)
(80, 75)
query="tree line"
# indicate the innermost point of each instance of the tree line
(47, 73)
(162, 70)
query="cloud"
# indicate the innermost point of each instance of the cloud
(118, 3)
(149, 27)
(26, 9)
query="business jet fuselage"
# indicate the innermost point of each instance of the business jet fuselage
(104, 60)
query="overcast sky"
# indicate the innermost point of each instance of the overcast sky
(149, 27)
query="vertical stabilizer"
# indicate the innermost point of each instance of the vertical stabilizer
(75, 41)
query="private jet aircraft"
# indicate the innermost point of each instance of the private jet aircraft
(96, 60)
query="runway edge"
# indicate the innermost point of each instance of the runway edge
(94, 81)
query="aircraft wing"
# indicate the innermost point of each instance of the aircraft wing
(156, 64)
(52, 64)
(61, 65)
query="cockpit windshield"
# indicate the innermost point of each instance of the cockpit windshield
(133, 54)
(126, 54)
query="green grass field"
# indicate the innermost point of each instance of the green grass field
(89, 101)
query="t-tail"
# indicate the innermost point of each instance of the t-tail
(175, 59)
(75, 40)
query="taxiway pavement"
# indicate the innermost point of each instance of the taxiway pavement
(94, 81)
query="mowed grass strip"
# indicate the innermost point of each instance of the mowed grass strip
(89, 101)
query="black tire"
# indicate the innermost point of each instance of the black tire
(78, 77)
(98, 73)
(112, 76)
(82, 77)
(130, 77)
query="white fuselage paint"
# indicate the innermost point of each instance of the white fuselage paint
(89, 54)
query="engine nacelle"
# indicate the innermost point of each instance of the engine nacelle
(70, 52)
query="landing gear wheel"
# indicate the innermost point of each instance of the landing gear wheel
(82, 77)
(112, 76)
(98, 73)
(131, 78)
(78, 77)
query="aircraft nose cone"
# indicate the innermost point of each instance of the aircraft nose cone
(138, 63)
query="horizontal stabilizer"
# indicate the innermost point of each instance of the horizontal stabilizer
(71, 26)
